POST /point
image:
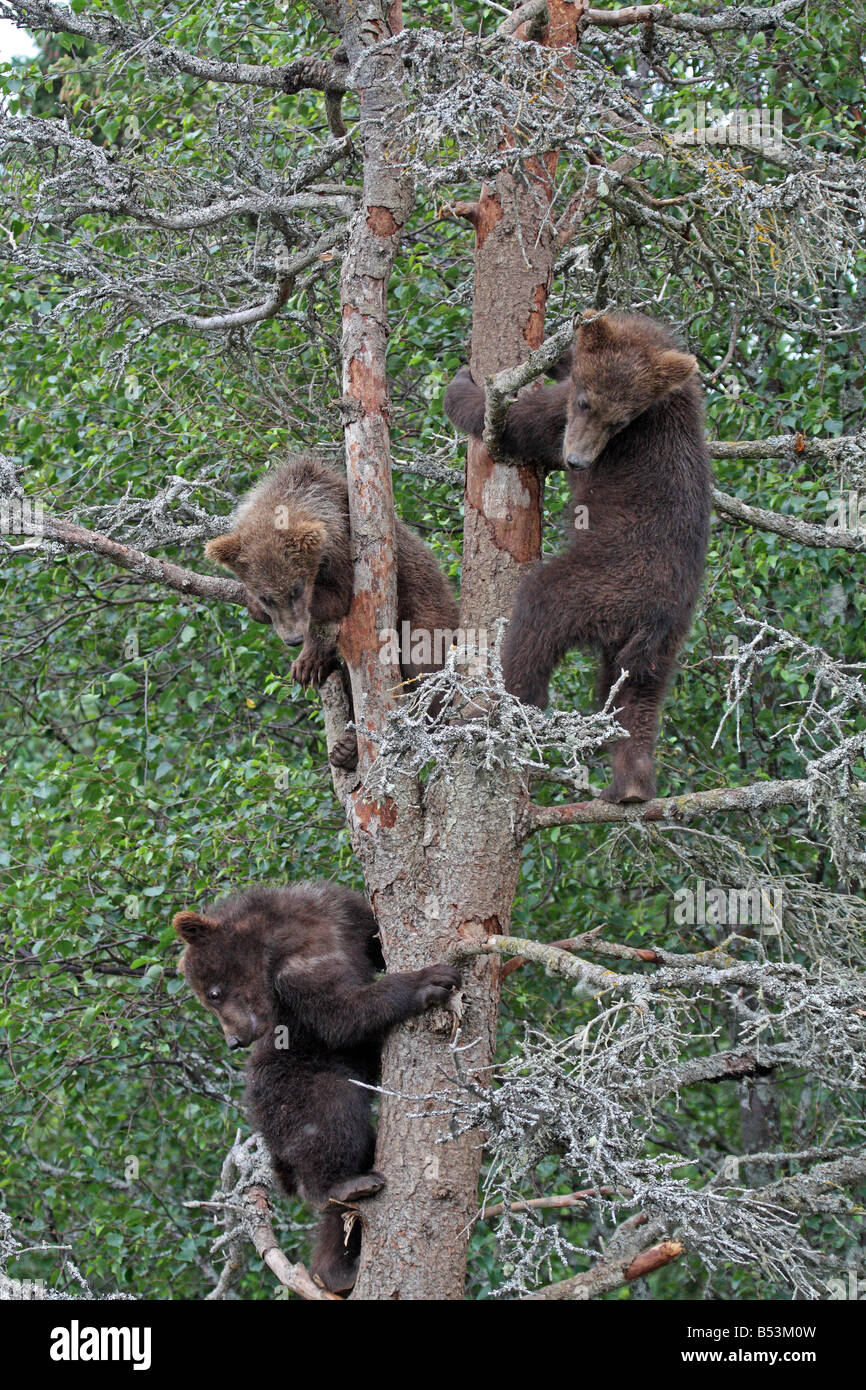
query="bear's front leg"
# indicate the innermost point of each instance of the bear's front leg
(317, 660)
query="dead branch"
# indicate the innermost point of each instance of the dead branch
(140, 40)
(745, 19)
(788, 446)
(803, 532)
(569, 1199)
(635, 1250)
(760, 796)
(291, 1276)
(501, 389)
(144, 566)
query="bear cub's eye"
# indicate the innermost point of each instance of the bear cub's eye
(267, 600)
(214, 994)
(582, 403)
(295, 593)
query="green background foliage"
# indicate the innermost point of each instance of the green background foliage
(156, 752)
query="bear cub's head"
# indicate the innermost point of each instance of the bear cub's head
(620, 367)
(275, 551)
(222, 963)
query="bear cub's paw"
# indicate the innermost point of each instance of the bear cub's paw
(353, 1189)
(344, 753)
(435, 984)
(313, 667)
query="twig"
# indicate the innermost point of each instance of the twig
(569, 1199)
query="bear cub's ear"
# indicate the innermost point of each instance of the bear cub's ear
(305, 536)
(595, 335)
(192, 927)
(672, 369)
(224, 549)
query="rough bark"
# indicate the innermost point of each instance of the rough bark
(429, 884)
(443, 873)
(441, 862)
(515, 251)
(374, 237)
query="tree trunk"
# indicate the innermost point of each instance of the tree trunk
(441, 861)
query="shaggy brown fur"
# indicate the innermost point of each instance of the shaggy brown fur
(291, 970)
(627, 421)
(291, 547)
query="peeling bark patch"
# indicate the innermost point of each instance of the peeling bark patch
(563, 18)
(372, 816)
(502, 493)
(354, 633)
(381, 222)
(506, 499)
(367, 381)
(489, 212)
(522, 543)
(476, 931)
(534, 329)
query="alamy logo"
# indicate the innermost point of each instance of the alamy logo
(755, 127)
(738, 907)
(847, 512)
(77, 1343)
(21, 517)
(417, 646)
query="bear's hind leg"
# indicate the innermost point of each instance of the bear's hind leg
(336, 1172)
(337, 1142)
(551, 615)
(632, 759)
(337, 1251)
(355, 1188)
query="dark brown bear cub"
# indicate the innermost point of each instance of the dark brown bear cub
(290, 545)
(627, 422)
(291, 971)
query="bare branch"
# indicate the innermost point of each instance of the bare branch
(185, 581)
(140, 41)
(287, 270)
(291, 1276)
(743, 19)
(501, 389)
(569, 1199)
(788, 446)
(760, 796)
(803, 532)
(530, 13)
(611, 1274)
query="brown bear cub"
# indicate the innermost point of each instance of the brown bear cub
(290, 546)
(292, 971)
(626, 419)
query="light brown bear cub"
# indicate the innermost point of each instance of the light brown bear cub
(290, 546)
